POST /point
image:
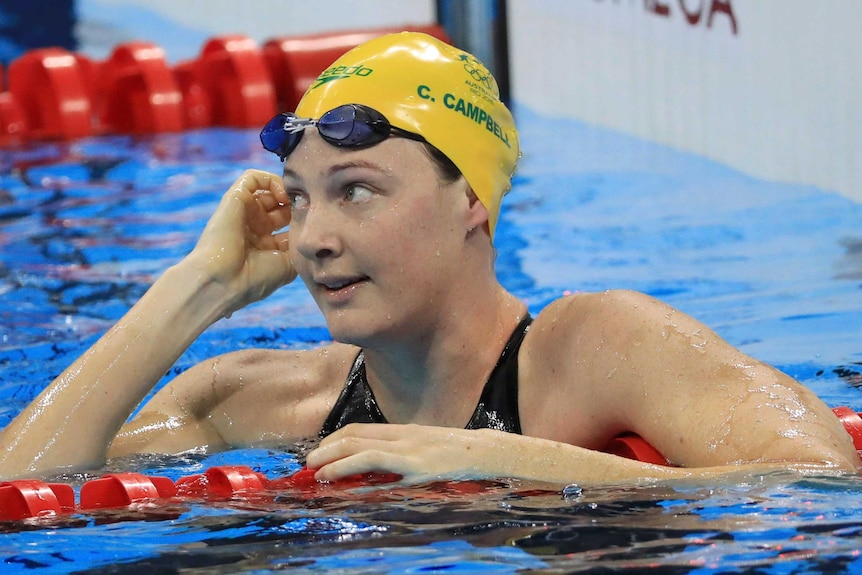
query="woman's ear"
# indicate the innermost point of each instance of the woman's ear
(477, 215)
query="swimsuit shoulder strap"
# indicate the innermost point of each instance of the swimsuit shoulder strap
(356, 404)
(498, 405)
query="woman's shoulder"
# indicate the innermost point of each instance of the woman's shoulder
(566, 361)
(611, 298)
(322, 356)
(608, 325)
(592, 311)
(576, 341)
(306, 367)
(250, 395)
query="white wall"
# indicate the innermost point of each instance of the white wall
(779, 97)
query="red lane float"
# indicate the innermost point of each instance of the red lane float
(28, 498)
(296, 61)
(852, 423)
(197, 104)
(13, 121)
(635, 447)
(137, 93)
(304, 480)
(49, 85)
(225, 481)
(56, 94)
(123, 489)
(25, 498)
(233, 72)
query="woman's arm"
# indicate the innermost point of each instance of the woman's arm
(424, 453)
(239, 259)
(636, 364)
(244, 397)
(595, 365)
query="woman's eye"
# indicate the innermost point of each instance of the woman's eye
(297, 201)
(357, 193)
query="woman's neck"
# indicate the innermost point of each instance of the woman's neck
(437, 377)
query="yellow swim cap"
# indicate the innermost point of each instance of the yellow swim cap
(430, 88)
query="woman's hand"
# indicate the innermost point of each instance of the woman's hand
(421, 453)
(416, 452)
(241, 247)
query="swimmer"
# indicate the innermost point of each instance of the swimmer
(395, 163)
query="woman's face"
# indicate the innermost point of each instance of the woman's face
(375, 235)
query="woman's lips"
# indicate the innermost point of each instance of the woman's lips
(342, 289)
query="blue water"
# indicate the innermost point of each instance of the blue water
(774, 268)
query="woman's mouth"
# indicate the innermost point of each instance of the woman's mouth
(335, 285)
(341, 289)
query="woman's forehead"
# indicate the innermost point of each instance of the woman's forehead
(314, 157)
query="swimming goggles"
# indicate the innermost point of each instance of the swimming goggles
(347, 126)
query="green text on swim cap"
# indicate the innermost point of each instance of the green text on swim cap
(468, 110)
(339, 73)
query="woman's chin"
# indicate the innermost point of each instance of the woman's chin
(344, 330)
(358, 331)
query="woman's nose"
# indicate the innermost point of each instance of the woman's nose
(318, 233)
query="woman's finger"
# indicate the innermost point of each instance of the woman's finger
(367, 461)
(279, 217)
(253, 180)
(387, 432)
(345, 446)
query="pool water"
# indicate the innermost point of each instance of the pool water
(776, 269)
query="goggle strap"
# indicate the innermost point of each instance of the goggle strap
(293, 125)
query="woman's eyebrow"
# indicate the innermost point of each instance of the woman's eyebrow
(341, 166)
(289, 174)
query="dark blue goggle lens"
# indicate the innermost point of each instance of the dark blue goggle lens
(347, 126)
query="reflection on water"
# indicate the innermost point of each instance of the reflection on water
(849, 267)
(85, 227)
(491, 526)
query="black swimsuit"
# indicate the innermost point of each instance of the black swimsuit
(497, 408)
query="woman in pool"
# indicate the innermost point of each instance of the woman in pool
(392, 194)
